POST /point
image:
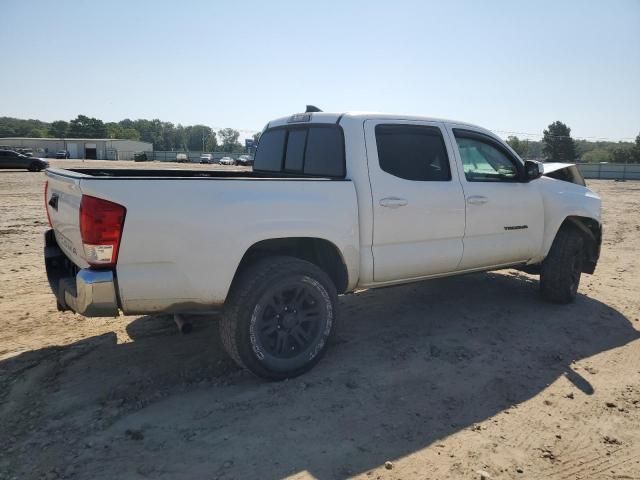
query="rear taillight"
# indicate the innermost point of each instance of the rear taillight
(101, 225)
(46, 202)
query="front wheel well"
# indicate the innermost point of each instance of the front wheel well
(591, 232)
(322, 253)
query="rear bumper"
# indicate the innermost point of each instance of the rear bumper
(91, 293)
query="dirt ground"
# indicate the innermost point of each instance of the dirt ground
(451, 379)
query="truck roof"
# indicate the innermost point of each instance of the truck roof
(328, 117)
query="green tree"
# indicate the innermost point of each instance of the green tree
(58, 129)
(622, 155)
(113, 129)
(597, 155)
(256, 136)
(229, 140)
(212, 142)
(17, 127)
(129, 134)
(199, 136)
(38, 133)
(86, 127)
(7, 131)
(636, 150)
(521, 147)
(558, 146)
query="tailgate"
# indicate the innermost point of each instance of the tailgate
(62, 201)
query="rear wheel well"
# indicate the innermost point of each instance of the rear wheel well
(322, 253)
(591, 232)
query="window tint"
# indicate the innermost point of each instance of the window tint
(295, 150)
(313, 150)
(413, 152)
(325, 153)
(484, 162)
(270, 151)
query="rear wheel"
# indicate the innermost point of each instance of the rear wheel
(35, 167)
(279, 317)
(561, 270)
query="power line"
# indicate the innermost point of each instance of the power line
(602, 139)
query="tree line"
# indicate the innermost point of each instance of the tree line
(163, 135)
(558, 146)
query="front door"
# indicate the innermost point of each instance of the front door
(418, 203)
(505, 215)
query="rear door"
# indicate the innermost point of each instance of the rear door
(418, 204)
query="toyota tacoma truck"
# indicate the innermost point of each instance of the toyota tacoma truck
(334, 203)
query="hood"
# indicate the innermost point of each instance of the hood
(553, 166)
(567, 172)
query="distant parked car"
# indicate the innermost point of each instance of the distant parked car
(245, 160)
(227, 161)
(206, 158)
(62, 154)
(11, 159)
(182, 158)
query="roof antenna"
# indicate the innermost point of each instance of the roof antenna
(311, 109)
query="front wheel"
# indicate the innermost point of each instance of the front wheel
(561, 270)
(279, 317)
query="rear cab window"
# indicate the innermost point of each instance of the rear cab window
(312, 149)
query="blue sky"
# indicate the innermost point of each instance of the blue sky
(506, 65)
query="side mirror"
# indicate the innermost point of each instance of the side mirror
(532, 170)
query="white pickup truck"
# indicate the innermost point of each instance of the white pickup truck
(335, 202)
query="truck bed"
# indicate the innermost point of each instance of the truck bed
(135, 173)
(183, 239)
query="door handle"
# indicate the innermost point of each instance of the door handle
(477, 200)
(393, 202)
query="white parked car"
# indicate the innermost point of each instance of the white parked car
(182, 158)
(335, 202)
(227, 161)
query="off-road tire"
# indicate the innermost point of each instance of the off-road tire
(561, 270)
(250, 301)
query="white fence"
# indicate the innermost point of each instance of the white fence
(610, 171)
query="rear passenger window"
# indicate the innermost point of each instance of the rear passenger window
(413, 152)
(316, 150)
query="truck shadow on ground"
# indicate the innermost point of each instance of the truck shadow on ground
(411, 365)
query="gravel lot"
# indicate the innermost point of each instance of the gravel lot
(451, 379)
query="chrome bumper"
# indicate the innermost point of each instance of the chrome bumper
(91, 293)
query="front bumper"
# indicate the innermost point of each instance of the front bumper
(91, 293)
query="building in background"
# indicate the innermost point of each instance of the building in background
(90, 148)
